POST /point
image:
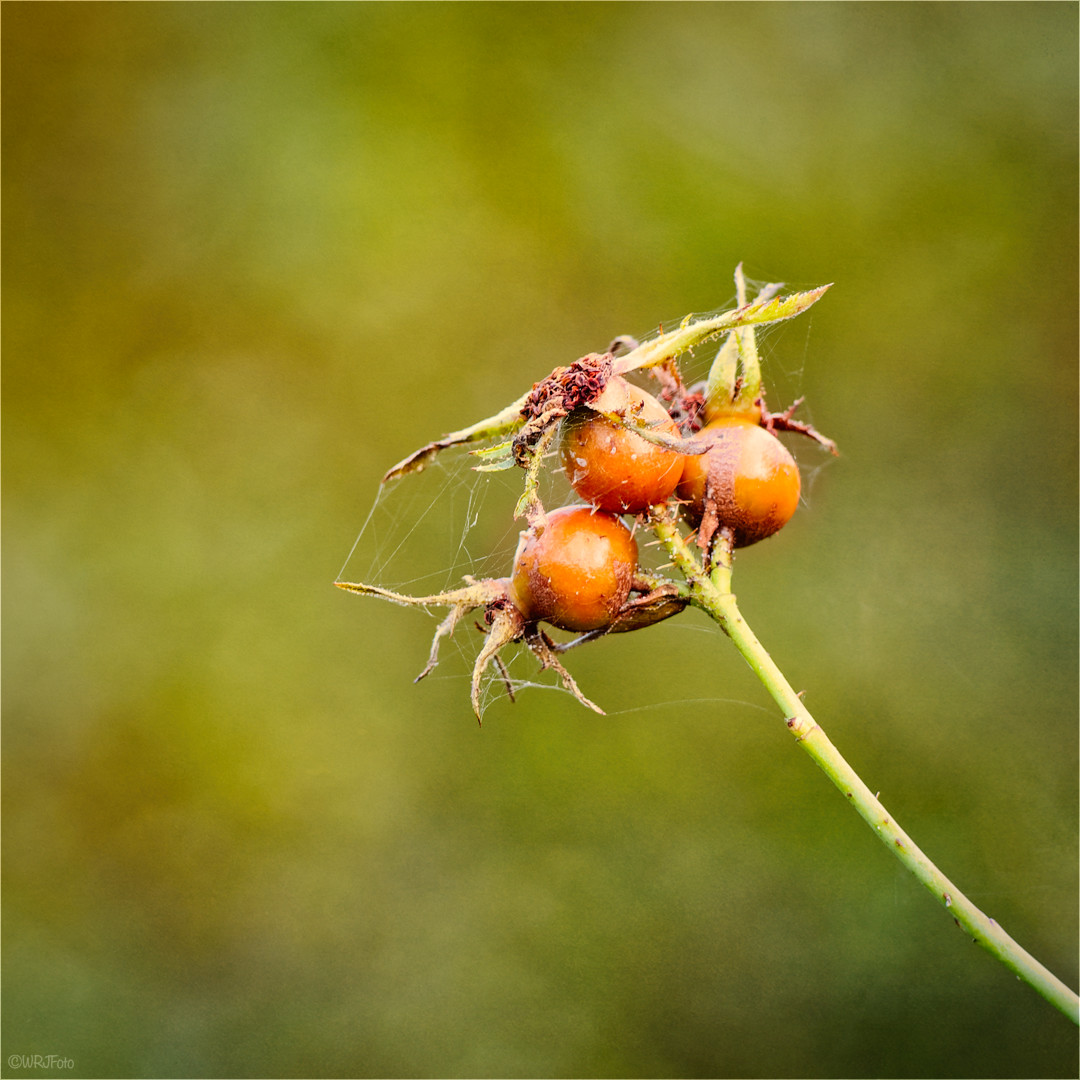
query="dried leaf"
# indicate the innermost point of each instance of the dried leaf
(502, 423)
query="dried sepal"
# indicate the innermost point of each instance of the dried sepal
(546, 406)
(685, 405)
(559, 393)
(502, 423)
(545, 650)
(444, 629)
(657, 599)
(475, 594)
(504, 674)
(650, 608)
(506, 626)
(775, 422)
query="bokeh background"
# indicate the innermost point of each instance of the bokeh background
(256, 253)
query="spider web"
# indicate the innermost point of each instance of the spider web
(784, 349)
(429, 531)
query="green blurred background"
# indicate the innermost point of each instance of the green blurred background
(257, 253)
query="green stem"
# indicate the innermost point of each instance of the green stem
(712, 593)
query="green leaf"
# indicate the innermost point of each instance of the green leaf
(691, 333)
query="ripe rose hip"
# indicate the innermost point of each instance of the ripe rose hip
(752, 480)
(577, 572)
(614, 468)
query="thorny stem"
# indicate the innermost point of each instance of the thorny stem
(712, 593)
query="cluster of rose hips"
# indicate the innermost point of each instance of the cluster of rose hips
(709, 455)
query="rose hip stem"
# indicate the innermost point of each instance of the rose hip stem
(712, 593)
